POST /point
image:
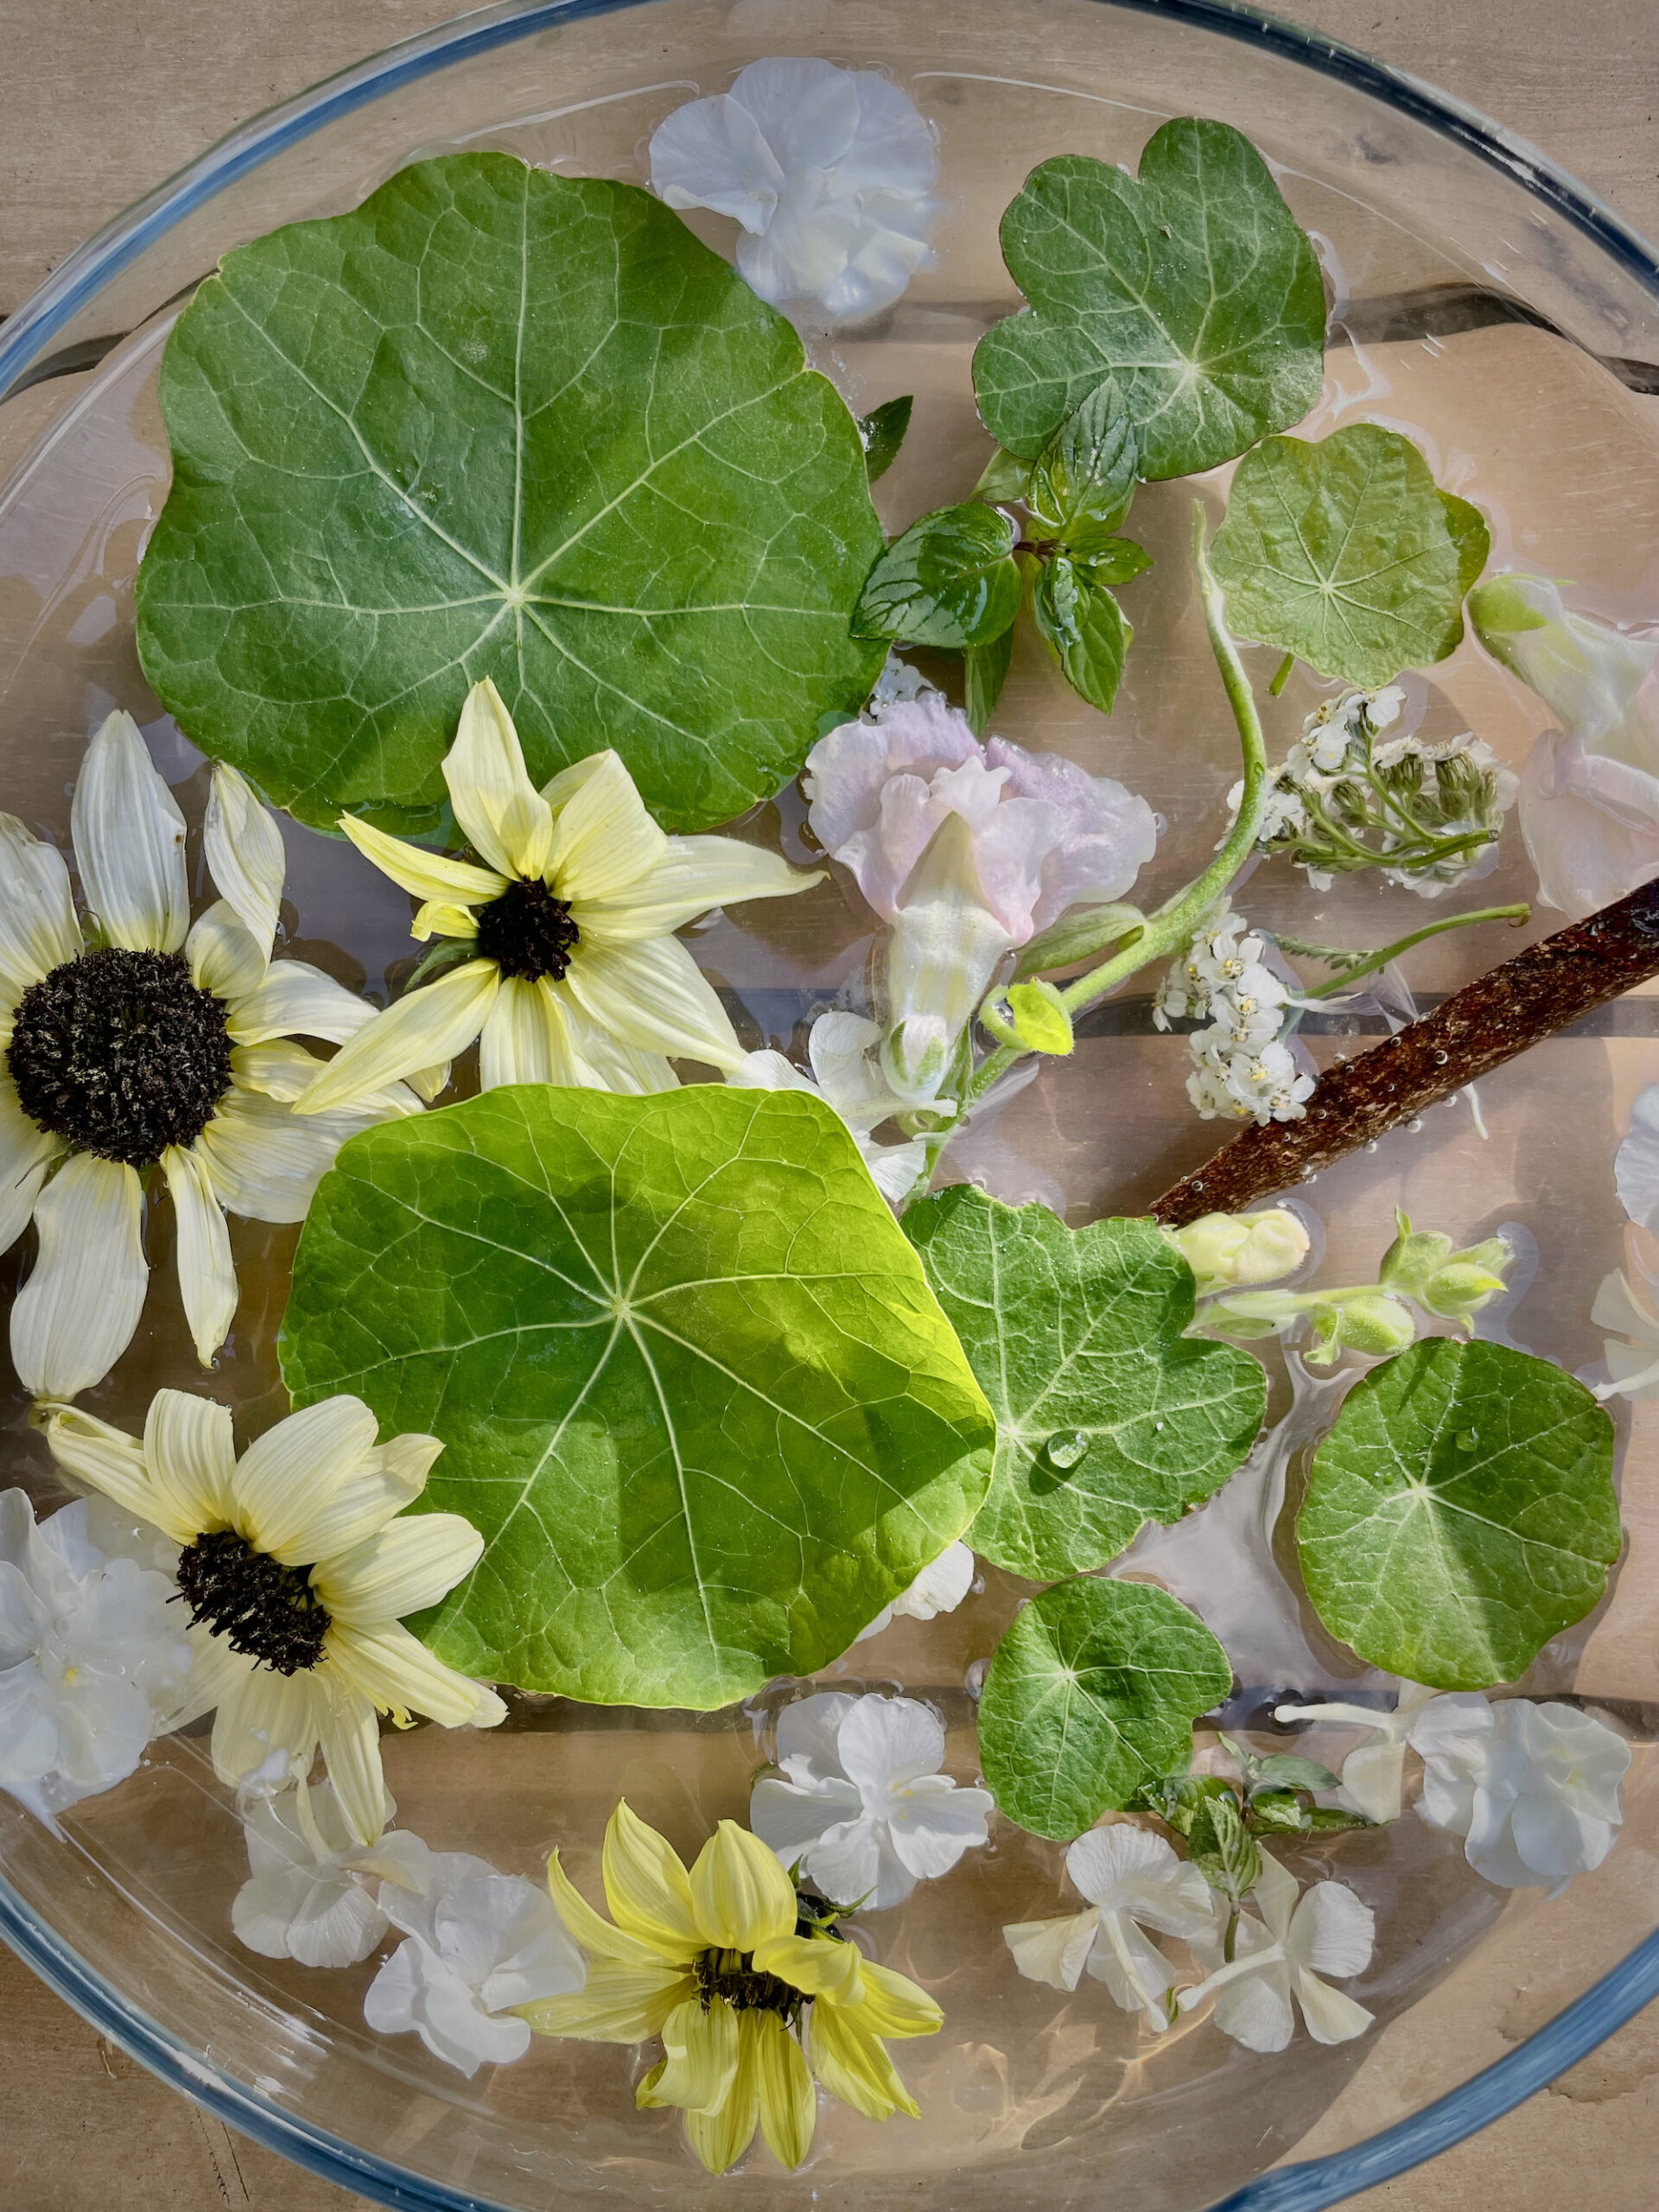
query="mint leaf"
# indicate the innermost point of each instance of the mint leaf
(882, 432)
(1460, 1513)
(1005, 478)
(501, 422)
(951, 580)
(1107, 1416)
(1086, 473)
(1090, 1697)
(1347, 554)
(691, 1382)
(1222, 1848)
(985, 670)
(1106, 558)
(1193, 287)
(1084, 626)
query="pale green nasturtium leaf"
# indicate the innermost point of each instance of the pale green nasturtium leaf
(1107, 1416)
(1090, 1697)
(1193, 287)
(1460, 1513)
(691, 1382)
(1347, 554)
(497, 422)
(951, 581)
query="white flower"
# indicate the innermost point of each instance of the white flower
(1590, 789)
(1235, 1251)
(845, 1077)
(92, 1658)
(142, 1043)
(577, 976)
(967, 851)
(1134, 1881)
(309, 1895)
(829, 172)
(1373, 1777)
(1632, 1351)
(1283, 1956)
(939, 1588)
(480, 1944)
(860, 1804)
(1533, 1789)
(297, 1563)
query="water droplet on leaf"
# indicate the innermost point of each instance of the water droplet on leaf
(1065, 1449)
(1467, 1438)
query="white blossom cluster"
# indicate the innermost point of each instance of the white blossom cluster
(1242, 1069)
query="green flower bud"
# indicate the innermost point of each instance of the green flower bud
(1040, 1019)
(1459, 1290)
(1364, 1321)
(1414, 1256)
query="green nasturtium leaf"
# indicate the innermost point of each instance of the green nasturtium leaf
(1460, 1513)
(1085, 476)
(952, 580)
(497, 422)
(1193, 287)
(691, 1382)
(1090, 1697)
(882, 432)
(1107, 1416)
(1347, 554)
(1083, 626)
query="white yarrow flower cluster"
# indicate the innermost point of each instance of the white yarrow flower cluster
(1134, 1881)
(1242, 1069)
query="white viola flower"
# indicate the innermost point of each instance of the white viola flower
(967, 851)
(1373, 1777)
(1134, 1881)
(297, 1563)
(1636, 1164)
(310, 1893)
(860, 1804)
(1590, 789)
(846, 1077)
(1633, 1350)
(1534, 1789)
(93, 1659)
(135, 1043)
(1283, 1956)
(480, 1944)
(830, 171)
(939, 1588)
(575, 975)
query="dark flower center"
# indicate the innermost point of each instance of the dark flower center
(120, 1054)
(731, 1974)
(262, 1609)
(528, 932)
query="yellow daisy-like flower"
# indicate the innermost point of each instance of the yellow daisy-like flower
(141, 1045)
(751, 1994)
(576, 975)
(296, 1565)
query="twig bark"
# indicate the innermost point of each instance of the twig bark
(1542, 989)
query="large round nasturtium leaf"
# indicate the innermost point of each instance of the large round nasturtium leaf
(1090, 1695)
(691, 1383)
(501, 422)
(1460, 1513)
(1107, 1416)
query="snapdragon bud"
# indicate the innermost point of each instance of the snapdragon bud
(1414, 1256)
(1228, 1251)
(1457, 1291)
(1368, 1321)
(1039, 1018)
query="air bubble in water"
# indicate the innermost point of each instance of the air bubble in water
(1372, 1147)
(1414, 1125)
(974, 1679)
(1065, 1449)
(1440, 1059)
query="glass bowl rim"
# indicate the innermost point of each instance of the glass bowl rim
(1312, 2185)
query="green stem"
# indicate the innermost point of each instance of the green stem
(1374, 960)
(1282, 676)
(1230, 1941)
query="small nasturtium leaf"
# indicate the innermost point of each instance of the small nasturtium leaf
(883, 431)
(1083, 626)
(1107, 1416)
(1193, 287)
(1460, 1513)
(1086, 473)
(1090, 1697)
(497, 422)
(951, 580)
(691, 1382)
(1347, 554)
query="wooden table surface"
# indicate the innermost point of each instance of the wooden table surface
(103, 98)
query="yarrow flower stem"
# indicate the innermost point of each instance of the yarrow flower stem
(1353, 966)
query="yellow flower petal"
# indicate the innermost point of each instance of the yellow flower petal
(38, 929)
(595, 1934)
(427, 876)
(207, 1282)
(264, 1713)
(654, 997)
(431, 1023)
(76, 1314)
(699, 2060)
(603, 838)
(113, 1462)
(646, 1886)
(740, 1894)
(789, 2103)
(224, 957)
(720, 2139)
(527, 1038)
(894, 2005)
(817, 1965)
(286, 1478)
(190, 1451)
(391, 1477)
(243, 847)
(351, 1750)
(507, 819)
(694, 874)
(443, 918)
(400, 1570)
(397, 1673)
(854, 2065)
(129, 841)
(617, 2004)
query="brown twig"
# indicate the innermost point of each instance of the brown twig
(1542, 989)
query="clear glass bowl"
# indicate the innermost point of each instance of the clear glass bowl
(1483, 301)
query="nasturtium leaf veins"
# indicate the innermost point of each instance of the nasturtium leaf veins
(1460, 1513)
(497, 422)
(691, 1382)
(1107, 1416)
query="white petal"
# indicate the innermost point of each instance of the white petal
(339, 1924)
(243, 845)
(265, 1159)
(603, 838)
(886, 1740)
(1636, 1168)
(1332, 2015)
(809, 1733)
(931, 1823)
(654, 997)
(391, 1477)
(76, 1314)
(789, 1819)
(694, 874)
(945, 1581)
(1372, 1778)
(1135, 1972)
(263, 1908)
(1255, 2010)
(432, 1023)
(1333, 1932)
(38, 929)
(1101, 1860)
(712, 153)
(526, 1037)
(225, 959)
(507, 818)
(207, 1274)
(293, 999)
(426, 874)
(403, 1569)
(26, 1152)
(1053, 1951)
(288, 1477)
(1276, 1894)
(129, 838)
(397, 1672)
(190, 1451)
(848, 1863)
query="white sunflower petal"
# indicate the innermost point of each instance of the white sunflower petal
(261, 1712)
(604, 1063)
(396, 1671)
(110, 1460)
(190, 1451)
(506, 817)
(427, 1083)
(694, 874)
(654, 997)
(402, 1570)
(603, 838)
(423, 873)
(206, 1273)
(225, 959)
(265, 1159)
(351, 1750)
(392, 1477)
(38, 929)
(286, 1479)
(281, 1069)
(443, 918)
(245, 858)
(293, 999)
(129, 840)
(429, 1024)
(76, 1314)
(526, 1037)
(26, 1152)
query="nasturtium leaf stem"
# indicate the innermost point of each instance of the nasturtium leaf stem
(1282, 676)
